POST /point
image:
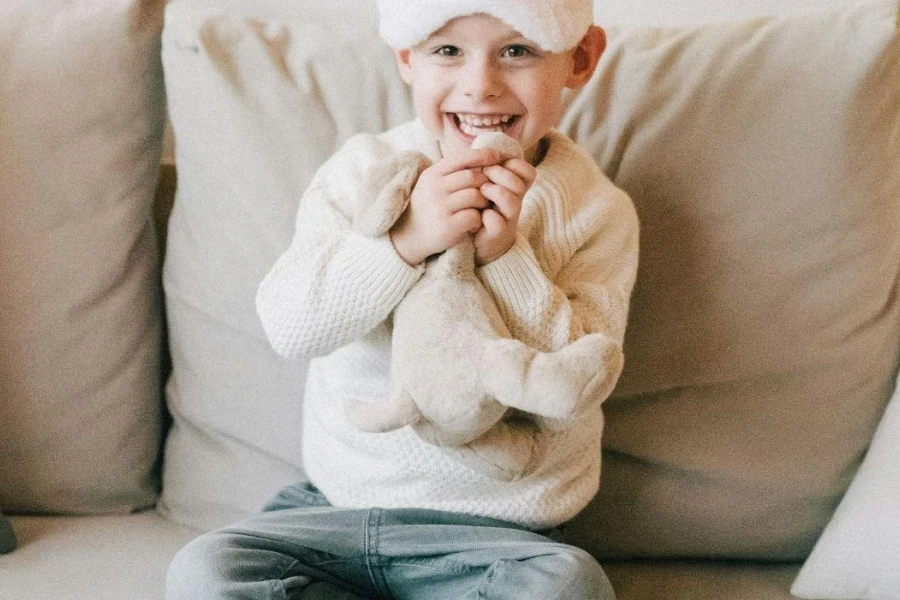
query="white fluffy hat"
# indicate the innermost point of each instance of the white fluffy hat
(554, 25)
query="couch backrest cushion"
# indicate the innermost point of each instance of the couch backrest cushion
(762, 156)
(256, 108)
(81, 115)
(764, 159)
(693, 12)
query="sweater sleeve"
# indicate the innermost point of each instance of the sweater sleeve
(333, 284)
(547, 305)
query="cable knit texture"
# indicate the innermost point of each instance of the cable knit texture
(330, 295)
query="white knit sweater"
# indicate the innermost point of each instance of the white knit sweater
(330, 295)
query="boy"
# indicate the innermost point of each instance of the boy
(556, 245)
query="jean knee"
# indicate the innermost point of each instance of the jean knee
(555, 572)
(584, 576)
(195, 572)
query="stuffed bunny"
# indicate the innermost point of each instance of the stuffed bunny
(456, 370)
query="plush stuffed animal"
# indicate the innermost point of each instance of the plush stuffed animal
(456, 370)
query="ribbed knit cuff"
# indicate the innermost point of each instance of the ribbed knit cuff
(516, 278)
(379, 270)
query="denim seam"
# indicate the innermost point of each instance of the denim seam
(490, 576)
(373, 521)
(278, 583)
(434, 564)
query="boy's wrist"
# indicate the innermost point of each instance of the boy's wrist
(487, 252)
(403, 246)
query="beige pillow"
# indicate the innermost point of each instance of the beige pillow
(764, 161)
(763, 330)
(81, 114)
(256, 107)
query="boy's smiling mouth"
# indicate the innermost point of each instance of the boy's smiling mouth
(472, 124)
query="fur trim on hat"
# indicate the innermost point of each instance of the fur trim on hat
(554, 25)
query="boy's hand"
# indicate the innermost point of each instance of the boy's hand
(505, 189)
(444, 205)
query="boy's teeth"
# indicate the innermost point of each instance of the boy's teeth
(475, 124)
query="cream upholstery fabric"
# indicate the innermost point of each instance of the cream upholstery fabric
(91, 558)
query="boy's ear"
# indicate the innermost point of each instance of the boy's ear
(403, 64)
(585, 57)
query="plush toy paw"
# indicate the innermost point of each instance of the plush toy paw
(389, 182)
(552, 385)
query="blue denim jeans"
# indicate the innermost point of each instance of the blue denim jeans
(300, 547)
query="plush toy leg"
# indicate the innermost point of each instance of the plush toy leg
(503, 453)
(554, 384)
(457, 262)
(379, 417)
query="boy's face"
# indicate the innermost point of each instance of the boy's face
(476, 74)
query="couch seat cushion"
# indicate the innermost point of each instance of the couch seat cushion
(701, 580)
(90, 558)
(125, 558)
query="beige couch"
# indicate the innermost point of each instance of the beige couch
(764, 159)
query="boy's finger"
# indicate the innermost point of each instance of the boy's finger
(506, 178)
(466, 221)
(463, 179)
(492, 221)
(466, 198)
(468, 159)
(508, 204)
(523, 169)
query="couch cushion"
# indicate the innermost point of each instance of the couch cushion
(256, 108)
(91, 558)
(81, 115)
(764, 161)
(125, 558)
(700, 580)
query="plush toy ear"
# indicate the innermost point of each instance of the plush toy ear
(499, 141)
(386, 189)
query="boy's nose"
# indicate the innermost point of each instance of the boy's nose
(482, 81)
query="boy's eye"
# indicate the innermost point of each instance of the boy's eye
(447, 51)
(517, 51)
